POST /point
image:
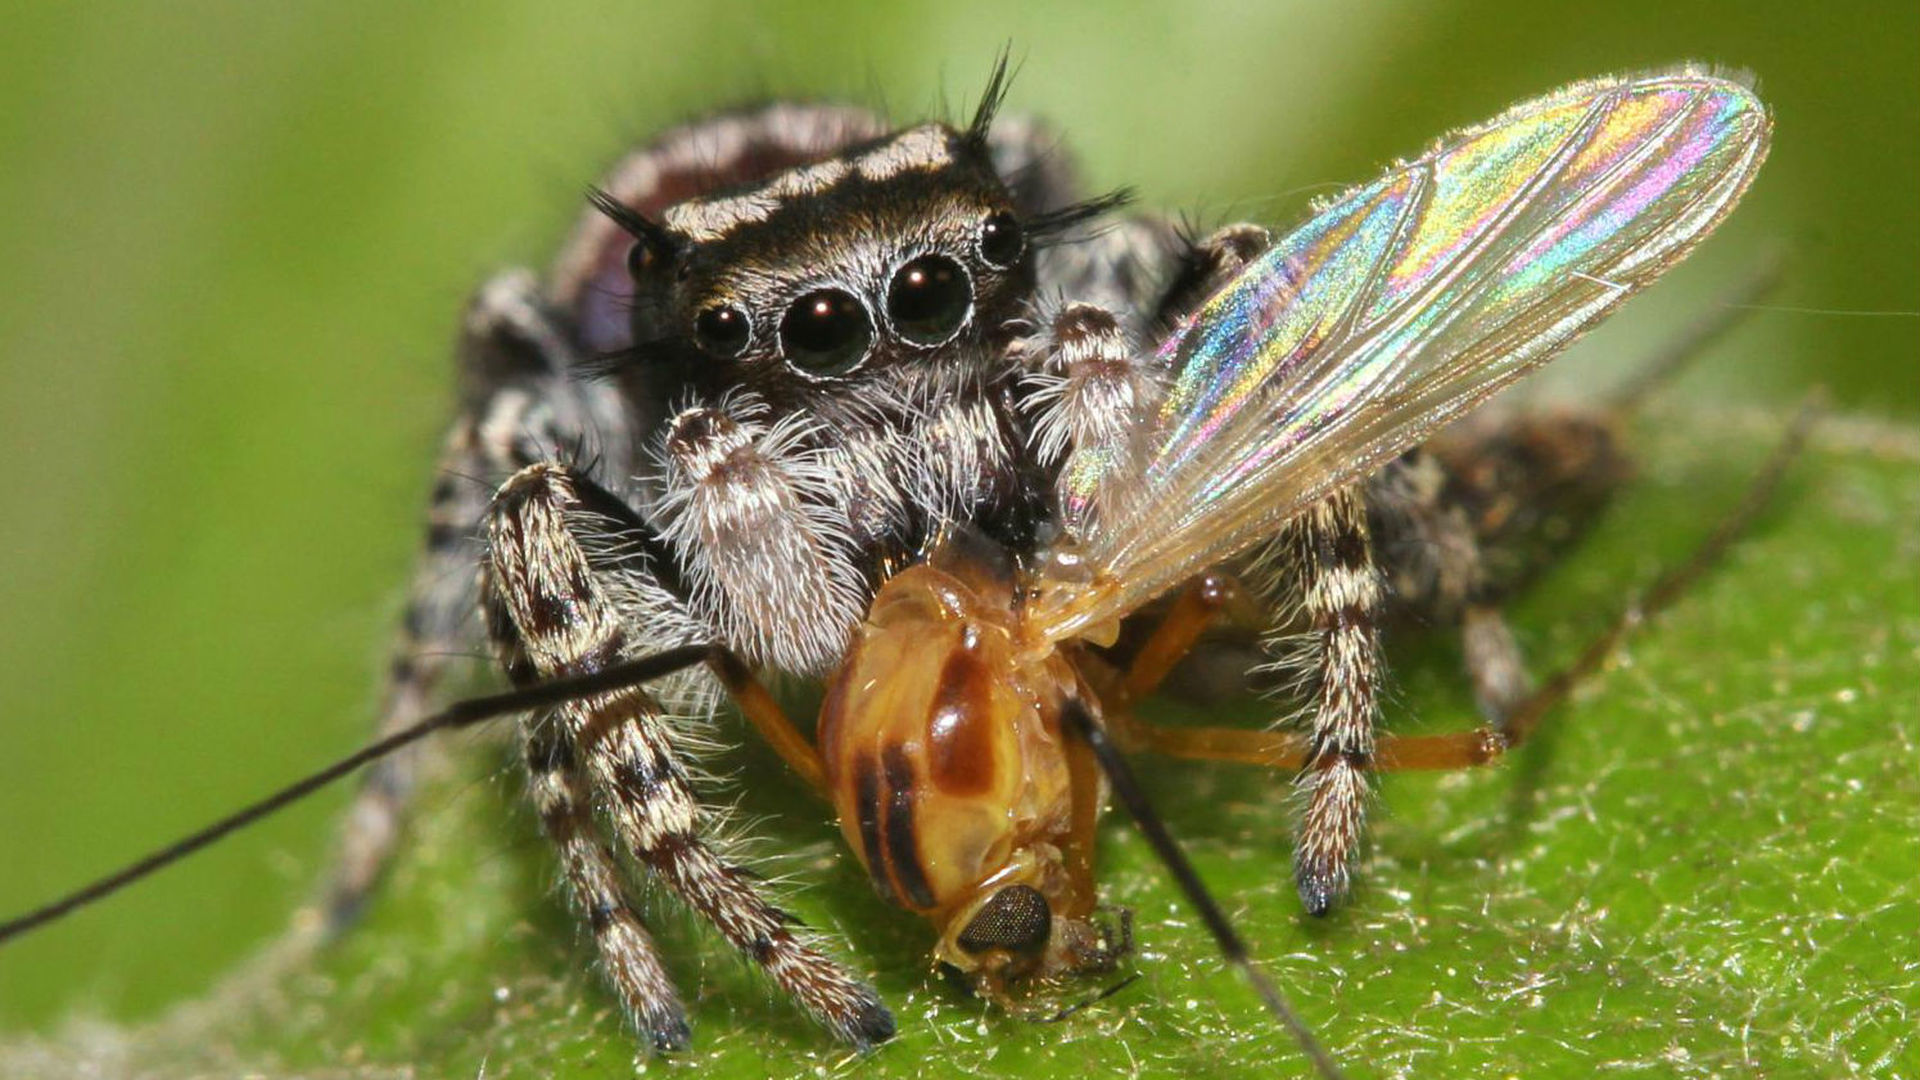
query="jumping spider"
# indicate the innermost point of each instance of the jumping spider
(785, 354)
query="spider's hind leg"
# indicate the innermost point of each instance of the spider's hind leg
(1463, 522)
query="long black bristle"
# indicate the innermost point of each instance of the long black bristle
(631, 221)
(990, 100)
(1051, 224)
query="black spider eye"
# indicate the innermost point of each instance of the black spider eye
(827, 331)
(645, 257)
(722, 331)
(1001, 241)
(1016, 919)
(929, 299)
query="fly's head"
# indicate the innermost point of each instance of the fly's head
(901, 261)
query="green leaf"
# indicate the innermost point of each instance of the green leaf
(1706, 865)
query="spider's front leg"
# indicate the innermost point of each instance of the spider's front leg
(571, 587)
(1328, 551)
(1093, 392)
(1326, 554)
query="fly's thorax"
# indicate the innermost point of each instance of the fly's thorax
(950, 772)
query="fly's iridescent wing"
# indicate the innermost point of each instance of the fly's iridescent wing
(1398, 307)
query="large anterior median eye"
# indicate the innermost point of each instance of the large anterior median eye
(826, 332)
(929, 299)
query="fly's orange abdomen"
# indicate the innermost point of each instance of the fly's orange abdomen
(939, 741)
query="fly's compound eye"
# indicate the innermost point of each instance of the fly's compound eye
(929, 299)
(722, 331)
(826, 332)
(1016, 919)
(1001, 241)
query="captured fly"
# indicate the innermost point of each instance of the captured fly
(809, 396)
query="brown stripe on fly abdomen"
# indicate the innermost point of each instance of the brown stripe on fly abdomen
(903, 843)
(959, 731)
(884, 811)
(866, 801)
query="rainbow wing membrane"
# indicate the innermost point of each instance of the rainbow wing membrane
(1401, 305)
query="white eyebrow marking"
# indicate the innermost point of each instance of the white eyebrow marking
(922, 148)
(702, 220)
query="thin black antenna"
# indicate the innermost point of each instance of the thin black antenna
(458, 715)
(1127, 788)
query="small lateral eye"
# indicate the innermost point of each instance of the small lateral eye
(1001, 241)
(642, 260)
(826, 332)
(722, 330)
(650, 255)
(929, 299)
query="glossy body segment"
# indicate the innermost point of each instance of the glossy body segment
(949, 769)
(1401, 305)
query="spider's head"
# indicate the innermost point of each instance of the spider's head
(902, 252)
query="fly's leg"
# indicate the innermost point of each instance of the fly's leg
(1433, 562)
(770, 720)
(555, 567)
(516, 407)
(1204, 601)
(1461, 525)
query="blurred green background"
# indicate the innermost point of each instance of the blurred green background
(234, 238)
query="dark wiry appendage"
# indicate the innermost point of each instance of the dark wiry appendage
(560, 609)
(515, 409)
(1341, 593)
(1207, 266)
(1093, 394)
